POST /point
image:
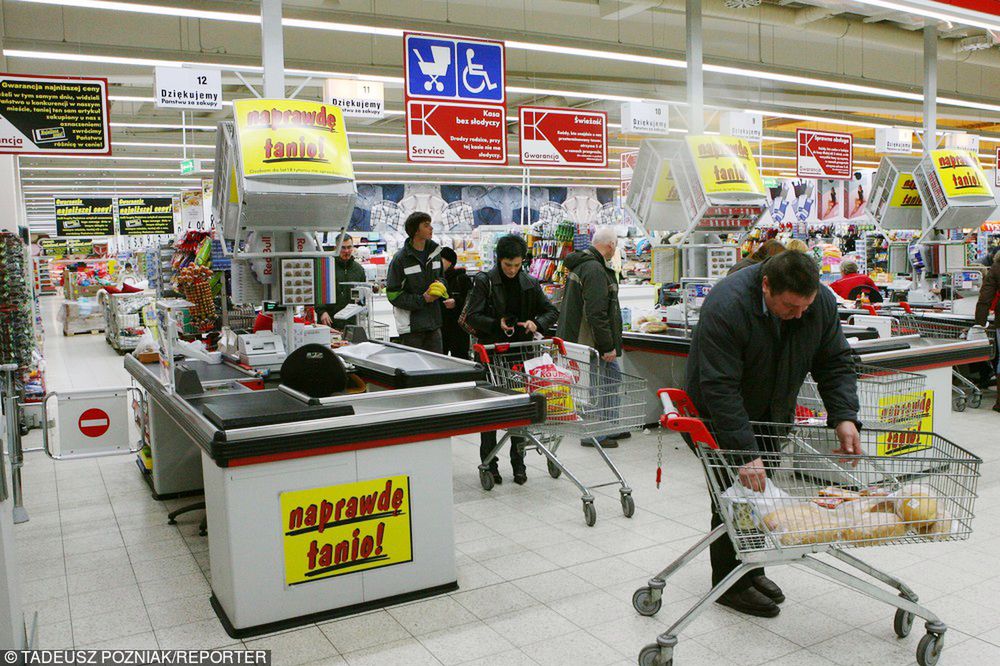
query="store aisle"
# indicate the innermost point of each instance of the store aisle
(102, 568)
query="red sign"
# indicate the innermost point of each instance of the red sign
(627, 162)
(448, 132)
(94, 422)
(996, 172)
(563, 137)
(988, 7)
(828, 155)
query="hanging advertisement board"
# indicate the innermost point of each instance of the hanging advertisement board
(960, 173)
(626, 168)
(726, 165)
(84, 217)
(827, 155)
(145, 216)
(563, 137)
(54, 115)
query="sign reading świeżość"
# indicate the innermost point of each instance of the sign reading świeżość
(84, 217)
(50, 115)
(142, 216)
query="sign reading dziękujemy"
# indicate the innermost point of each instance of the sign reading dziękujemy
(51, 115)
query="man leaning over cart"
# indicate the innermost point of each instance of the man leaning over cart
(759, 333)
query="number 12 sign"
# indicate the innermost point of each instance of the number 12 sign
(183, 88)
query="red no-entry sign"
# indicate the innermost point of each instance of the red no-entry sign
(94, 422)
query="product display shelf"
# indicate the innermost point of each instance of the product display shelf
(43, 276)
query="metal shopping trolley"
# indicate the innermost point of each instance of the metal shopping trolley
(583, 398)
(921, 490)
(888, 398)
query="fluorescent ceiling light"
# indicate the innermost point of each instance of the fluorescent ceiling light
(202, 128)
(144, 144)
(129, 158)
(103, 169)
(116, 179)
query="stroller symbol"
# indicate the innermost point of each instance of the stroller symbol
(475, 70)
(436, 67)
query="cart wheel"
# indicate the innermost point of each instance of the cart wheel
(929, 649)
(486, 479)
(959, 403)
(902, 623)
(643, 602)
(976, 401)
(554, 471)
(650, 656)
(628, 505)
(589, 513)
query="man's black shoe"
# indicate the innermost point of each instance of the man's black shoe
(520, 477)
(606, 443)
(769, 588)
(621, 435)
(750, 601)
(497, 479)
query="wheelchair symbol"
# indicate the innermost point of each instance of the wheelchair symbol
(475, 71)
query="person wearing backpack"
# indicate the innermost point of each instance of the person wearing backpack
(454, 337)
(507, 305)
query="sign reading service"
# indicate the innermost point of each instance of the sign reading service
(54, 115)
(344, 529)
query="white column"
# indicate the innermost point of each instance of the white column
(11, 201)
(695, 73)
(272, 49)
(930, 88)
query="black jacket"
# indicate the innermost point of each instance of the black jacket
(406, 282)
(741, 367)
(487, 305)
(454, 338)
(590, 314)
(344, 273)
(991, 286)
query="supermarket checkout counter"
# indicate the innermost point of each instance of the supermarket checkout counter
(322, 507)
(386, 365)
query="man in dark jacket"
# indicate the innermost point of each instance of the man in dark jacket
(508, 305)
(347, 273)
(591, 315)
(759, 333)
(411, 272)
(989, 297)
(454, 338)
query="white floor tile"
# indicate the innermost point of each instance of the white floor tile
(363, 631)
(292, 648)
(469, 641)
(437, 614)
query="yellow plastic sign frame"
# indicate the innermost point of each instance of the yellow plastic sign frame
(960, 173)
(292, 137)
(347, 528)
(725, 165)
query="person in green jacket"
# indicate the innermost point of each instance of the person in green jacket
(346, 272)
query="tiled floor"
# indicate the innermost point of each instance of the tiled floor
(101, 567)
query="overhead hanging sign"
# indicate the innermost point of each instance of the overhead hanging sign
(54, 115)
(960, 173)
(826, 155)
(645, 118)
(893, 141)
(563, 137)
(185, 88)
(961, 141)
(84, 217)
(54, 247)
(439, 67)
(356, 98)
(726, 165)
(292, 137)
(749, 126)
(996, 171)
(905, 193)
(144, 216)
(627, 168)
(343, 529)
(453, 132)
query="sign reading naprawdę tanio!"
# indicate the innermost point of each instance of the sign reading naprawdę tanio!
(344, 529)
(51, 115)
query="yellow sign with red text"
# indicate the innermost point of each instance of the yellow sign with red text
(726, 165)
(960, 173)
(904, 193)
(338, 530)
(916, 410)
(292, 137)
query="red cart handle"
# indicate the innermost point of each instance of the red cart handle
(480, 352)
(680, 415)
(871, 309)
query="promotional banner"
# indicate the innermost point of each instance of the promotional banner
(830, 197)
(902, 408)
(857, 191)
(292, 137)
(827, 155)
(54, 115)
(53, 247)
(725, 165)
(563, 137)
(84, 218)
(347, 528)
(960, 173)
(627, 167)
(144, 216)
(905, 194)
(192, 210)
(455, 132)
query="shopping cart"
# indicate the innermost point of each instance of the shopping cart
(921, 492)
(888, 398)
(584, 399)
(965, 393)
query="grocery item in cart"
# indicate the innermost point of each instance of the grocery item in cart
(555, 384)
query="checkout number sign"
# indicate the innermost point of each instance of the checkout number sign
(906, 408)
(338, 530)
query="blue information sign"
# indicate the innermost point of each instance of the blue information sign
(454, 68)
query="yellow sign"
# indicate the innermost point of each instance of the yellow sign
(960, 173)
(906, 408)
(344, 529)
(290, 136)
(904, 193)
(725, 165)
(666, 188)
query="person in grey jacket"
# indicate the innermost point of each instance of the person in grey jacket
(759, 332)
(591, 315)
(412, 270)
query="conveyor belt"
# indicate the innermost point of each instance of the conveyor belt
(262, 408)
